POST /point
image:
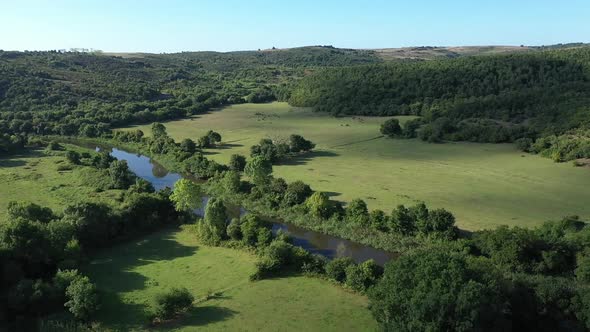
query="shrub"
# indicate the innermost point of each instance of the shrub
(168, 305)
(316, 264)
(82, 298)
(391, 128)
(362, 276)
(336, 268)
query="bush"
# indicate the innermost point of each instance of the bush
(391, 128)
(336, 268)
(168, 305)
(362, 276)
(82, 298)
(316, 264)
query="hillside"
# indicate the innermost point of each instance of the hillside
(493, 98)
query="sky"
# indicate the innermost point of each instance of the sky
(199, 25)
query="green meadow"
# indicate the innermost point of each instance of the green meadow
(48, 181)
(129, 276)
(484, 185)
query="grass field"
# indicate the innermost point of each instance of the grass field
(484, 185)
(129, 276)
(34, 177)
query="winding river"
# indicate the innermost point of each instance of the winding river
(315, 242)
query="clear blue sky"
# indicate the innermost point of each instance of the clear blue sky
(177, 25)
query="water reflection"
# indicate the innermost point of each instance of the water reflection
(315, 242)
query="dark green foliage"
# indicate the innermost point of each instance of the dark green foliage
(29, 211)
(188, 145)
(121, 177)
(73, 157)
(237, 162)
(279, 256)
(214, 137)
(250, 226)
(336, 268)
(357, 212)
(391, 128)
(231, 181)
(213, 226)
(362, 276)
(92, 222)
(277, 151)
(435, 290)
(402, 221)
(516, 94)
(259, 170)
(168, 305)
(316, 265)
(234, 230)
(103, 160)
(298, 144)
(571, 145)
(297, 192)
(82, 298)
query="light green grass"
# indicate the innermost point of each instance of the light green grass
(130, 275)
(484, 185)
(34, 177)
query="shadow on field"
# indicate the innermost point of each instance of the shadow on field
(113, 270)
(302, 159)
(12, 160)
(226, 146)
(198, 316)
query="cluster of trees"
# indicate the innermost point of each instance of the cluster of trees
(502, 279)
(483, 98)
(41, 249)
(187, 153)
(572, 145)
(275, 151)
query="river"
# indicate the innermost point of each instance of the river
(315, 242)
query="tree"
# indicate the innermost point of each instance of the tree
(169, 304)
(378, 220)
(231, 181)
(362, 276)
(158, 131)
(187, 195)
(336, 268)
(250, 225)
(214, 137)
(121, 177)
(297, 192)
(93, 223)
(297, 144)
(188, 145)
(204, 142)
(214, 225)
(103, 160)
(391, 128)
(402, 221)
(357, 212)
(237, 162)
(319, 204)
(82, 298)
(259, 170)
(435, 290)
(439, 220)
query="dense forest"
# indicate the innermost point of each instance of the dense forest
(86, 94)
(496, 98)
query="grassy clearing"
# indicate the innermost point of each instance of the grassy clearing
(130, 275)
(34, 177)
(484, 185)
